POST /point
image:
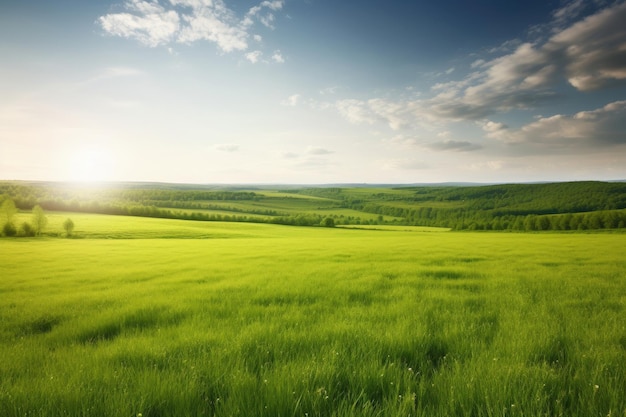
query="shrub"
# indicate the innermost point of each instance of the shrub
(27, 229)
(328, 222)
(68, 225)
(9, 229)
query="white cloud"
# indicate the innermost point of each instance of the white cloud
(396, 114)
(403, 141)
(589, 54)
(517, 80)
(254, 56)
(355, 111)
(568, 12)
(408, 164)
(594, 49)
(453, 145)
(495, 165)
(289, 155)
(274, 5)
(329, 90)
(292, 100)
(266, 18)
(314, 150)
(278, 57)
(445, 145)
(158, 22)
(149, 23)
(602, 127)
(493, 129)
(214, 25)
(227, 147)
(506, 47)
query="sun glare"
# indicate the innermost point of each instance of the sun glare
(92, 165)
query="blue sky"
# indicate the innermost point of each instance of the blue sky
(313, 91)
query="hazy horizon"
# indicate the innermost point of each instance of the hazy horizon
(290, 185)
(301, 92)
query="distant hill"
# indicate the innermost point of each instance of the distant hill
(583, 205)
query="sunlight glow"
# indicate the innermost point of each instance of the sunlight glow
(92, 165)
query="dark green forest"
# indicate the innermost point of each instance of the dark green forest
(519, 207)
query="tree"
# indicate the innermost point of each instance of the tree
(27, 229)
(543, 223)
(8, 210)
(68, 225)
(328, 222)
(9, 229)
(39, 219)
(530, 223)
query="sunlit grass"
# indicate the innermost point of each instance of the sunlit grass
(259, 320)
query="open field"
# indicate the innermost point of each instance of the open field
(158, 317)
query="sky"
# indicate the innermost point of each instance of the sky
(313, 91)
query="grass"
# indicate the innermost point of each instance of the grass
(173, 318)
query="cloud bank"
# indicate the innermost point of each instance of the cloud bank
(595, 128)
(588, 55)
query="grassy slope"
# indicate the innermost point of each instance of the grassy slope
(245, 319)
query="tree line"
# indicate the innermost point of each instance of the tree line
(467, 219)
(519, 207)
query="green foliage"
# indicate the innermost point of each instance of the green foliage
(9, 229)
(27, 230)
(8, 210)
(328, 222)
(39, 220)
(68, 226)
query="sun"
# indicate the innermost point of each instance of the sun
(92, 165)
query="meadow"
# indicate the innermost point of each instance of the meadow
(157, 317)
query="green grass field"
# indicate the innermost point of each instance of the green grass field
(156, 317)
